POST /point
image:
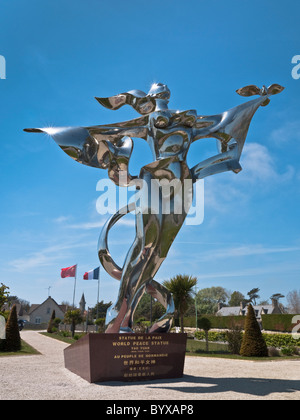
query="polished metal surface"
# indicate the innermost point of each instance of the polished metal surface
(160, 211)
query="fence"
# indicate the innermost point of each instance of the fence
(79, 328)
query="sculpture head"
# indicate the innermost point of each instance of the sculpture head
(159, 91)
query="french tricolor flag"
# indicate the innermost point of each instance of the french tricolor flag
(92, 275)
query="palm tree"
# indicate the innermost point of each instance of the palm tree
(74, 317)
(181, 286)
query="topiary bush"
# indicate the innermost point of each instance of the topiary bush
(51, 323)
(253, 343)
(205, 325)
(13, 339)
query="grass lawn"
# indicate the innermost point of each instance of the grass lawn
(26, 350)
(60, 337)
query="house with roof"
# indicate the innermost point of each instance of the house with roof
(41, 313)
(241, 310)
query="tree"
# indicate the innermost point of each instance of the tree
(13, 339)
(208, 299)
(14, 299)
(100, 309)
(181, 286)
(253, 295)
(51, 323)
(4, 293)
(144, 308)
(73, 317)
(205, 324)
(293, 300)
(253, 343)
(236, 298)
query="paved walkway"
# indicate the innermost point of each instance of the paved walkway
(43, 377)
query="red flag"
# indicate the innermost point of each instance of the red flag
(69, 271)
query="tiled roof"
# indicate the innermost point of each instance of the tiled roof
(237, 310)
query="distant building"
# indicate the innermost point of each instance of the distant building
(241, 310)
(40, 314)
(21, 312)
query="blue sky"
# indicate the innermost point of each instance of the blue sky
(60, 54)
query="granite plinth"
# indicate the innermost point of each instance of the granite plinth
(127, 357)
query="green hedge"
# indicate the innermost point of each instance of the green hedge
(280, 340)
(221, 322)
(278, 322)
(272, 340)
(212, 336)
(272, 322)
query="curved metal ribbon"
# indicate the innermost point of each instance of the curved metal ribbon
(103, 252)
(155, 289)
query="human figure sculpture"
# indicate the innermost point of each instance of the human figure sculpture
(169, 133)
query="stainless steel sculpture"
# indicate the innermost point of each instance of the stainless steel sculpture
(169, 134)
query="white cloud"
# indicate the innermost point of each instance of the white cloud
(260, 165)
(260, 174)
(45, 257)
(244, 251)
(252, 271)
(289, 131)
(61, 219)
(100, 224)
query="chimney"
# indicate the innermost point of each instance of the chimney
(242, 304)
(220, 306)
(275, 306)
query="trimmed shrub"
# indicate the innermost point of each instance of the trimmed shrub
(13, 339)
(51, 323)
(205, 325)
(253, 344)
(234, 337)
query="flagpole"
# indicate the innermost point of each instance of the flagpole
(74, 288)
(98, 296)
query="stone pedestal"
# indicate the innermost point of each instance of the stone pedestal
(127, 357)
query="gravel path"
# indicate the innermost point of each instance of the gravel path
(43, 377)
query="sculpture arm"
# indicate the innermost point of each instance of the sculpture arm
(227, 161)
(230, 129)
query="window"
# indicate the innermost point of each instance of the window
(37, 320)
(48, 311)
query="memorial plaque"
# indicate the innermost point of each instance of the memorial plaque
(127, 357)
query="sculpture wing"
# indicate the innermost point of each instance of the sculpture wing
(102, 146)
